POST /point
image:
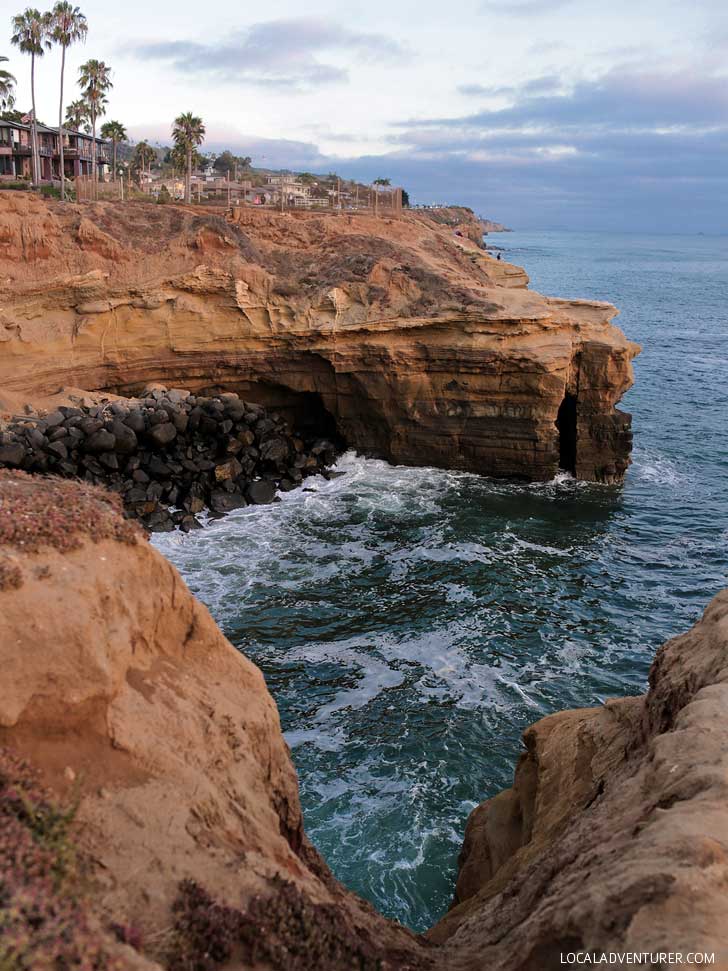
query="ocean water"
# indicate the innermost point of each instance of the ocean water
(411, 623)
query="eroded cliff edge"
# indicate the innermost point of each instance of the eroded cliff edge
(425, 349)
(122, 692)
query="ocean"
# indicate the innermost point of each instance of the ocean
(411, 623)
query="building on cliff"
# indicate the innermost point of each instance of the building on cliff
(16, 152)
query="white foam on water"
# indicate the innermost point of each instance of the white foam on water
(651, 466)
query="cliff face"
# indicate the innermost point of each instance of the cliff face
(614, 836)
(122, 692)
(119, 687)
(423, 348)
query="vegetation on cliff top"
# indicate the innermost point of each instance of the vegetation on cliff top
(44, 922)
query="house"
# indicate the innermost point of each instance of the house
(16, 153)
(295, 191)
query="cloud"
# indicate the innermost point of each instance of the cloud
(619, 99)
(641, 149)
(522, 8)
(545, 83)
(627, 150)
(283, 54)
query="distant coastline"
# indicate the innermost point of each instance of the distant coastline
(492, 227)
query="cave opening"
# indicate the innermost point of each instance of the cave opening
(304, 411)
(311, 419)
(566, 425)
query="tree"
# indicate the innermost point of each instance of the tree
(30, 36)
(225, 162)
(382, 182)
(143, 157)
(7, 85)
(67, 25)
(77, 115)
(95, 80)
(188, 132)
(115, 132)
(177, 156)
(405, 198)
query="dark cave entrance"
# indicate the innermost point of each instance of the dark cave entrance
(304, 411)
(312, 420)
(566, 424)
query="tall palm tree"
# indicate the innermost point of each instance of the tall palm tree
(115, 132)
(7, 84)
(144, 155)
(178, 158)
(94, 78)
(30, 36)
(77, 114)
(188, 132)
(67, 25)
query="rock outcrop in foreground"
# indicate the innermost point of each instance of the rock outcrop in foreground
(424, 348)
(126, 698)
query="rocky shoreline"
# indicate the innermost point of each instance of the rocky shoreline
(169, 454)
(159, 766)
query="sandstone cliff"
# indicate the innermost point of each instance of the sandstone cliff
(120, 689)
(614, 836)
(423, 348)
(122, 692)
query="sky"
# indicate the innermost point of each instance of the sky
(543, 114)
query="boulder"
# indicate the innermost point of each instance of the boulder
(125, 436)
(162, 434)
(12, 455)
(261, 492)
(100, 441)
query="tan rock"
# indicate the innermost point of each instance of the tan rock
(614, 836)
(425, 349)
(110, 664)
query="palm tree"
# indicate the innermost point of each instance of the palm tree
(144, 155)
(77, 114)
(7, 83)
(30, 36)
(94, 77)
(178, 158)
(188, 132)
(115, 132)
(67, 25)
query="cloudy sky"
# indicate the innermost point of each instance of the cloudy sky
(540, 113)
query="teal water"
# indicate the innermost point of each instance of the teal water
(411, 622)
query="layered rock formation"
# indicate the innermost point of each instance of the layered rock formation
(423, 348)
(122, 692)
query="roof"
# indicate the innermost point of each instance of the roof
(49, 129)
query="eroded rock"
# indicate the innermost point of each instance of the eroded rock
(423, 348)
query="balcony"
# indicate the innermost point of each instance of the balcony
(73, 151)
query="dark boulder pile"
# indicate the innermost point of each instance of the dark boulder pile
(170, 454)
